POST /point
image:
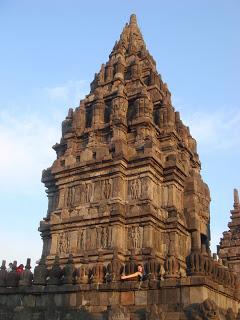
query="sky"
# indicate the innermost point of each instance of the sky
(49, 52)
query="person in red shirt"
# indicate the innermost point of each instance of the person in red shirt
(20, 268)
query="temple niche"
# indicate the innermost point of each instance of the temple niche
(126, 189)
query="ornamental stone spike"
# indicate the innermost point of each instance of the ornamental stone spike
(236, 198)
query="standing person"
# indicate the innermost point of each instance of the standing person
(19, 269)
(10, 267)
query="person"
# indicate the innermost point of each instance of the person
(139, 273)
(10, 267)
(19, 269)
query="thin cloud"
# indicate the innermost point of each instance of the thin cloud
(71, 91)
(26, 145)
(27, 135)
(215, 131)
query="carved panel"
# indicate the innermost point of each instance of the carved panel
(134, 189)
(63, 243)
(95, 238)
(106, 189)
(146, 187)
(80, 194)
(135, 237)
(81, 240)
(103, 190)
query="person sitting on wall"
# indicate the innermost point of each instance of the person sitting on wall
(138, 274)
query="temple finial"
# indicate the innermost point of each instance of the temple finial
(236, 198)
(133, 19)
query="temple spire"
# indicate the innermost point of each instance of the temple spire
(131, 40)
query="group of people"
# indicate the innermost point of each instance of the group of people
(138, 274)
(18, 269)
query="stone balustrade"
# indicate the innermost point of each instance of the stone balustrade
(198, 264)
(202, 264)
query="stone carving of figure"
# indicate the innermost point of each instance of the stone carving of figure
(77, 198)
(92, 238)
(103, 238)
(135, 189)
(132, 189)
(88, 191)
(107, 187)
(64, 243)
(81, 240)
(60, 244)
(145, 187)
(82, 193)
(134, 235)
(137, 237)
(138, 189)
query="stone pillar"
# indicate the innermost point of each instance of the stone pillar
(196, 240)
(98, 108)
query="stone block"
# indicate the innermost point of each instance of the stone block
(45, 300)
(114, 298)
(141, 298)
(14, 300)
(37, 316)
(58, 300)
(152, 297)
(29, 301)
(72, 300)
(104, 298)
(79, 299)
(185, 295)
(127, 298)
(197, 295)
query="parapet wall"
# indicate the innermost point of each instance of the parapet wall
(170, 299)
(96, 291)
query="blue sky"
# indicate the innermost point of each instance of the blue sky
(49, 53)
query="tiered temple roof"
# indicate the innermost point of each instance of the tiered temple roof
(229, 248)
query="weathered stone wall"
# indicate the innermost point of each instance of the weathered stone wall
(129, 300)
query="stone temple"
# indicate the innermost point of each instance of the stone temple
(126, 189)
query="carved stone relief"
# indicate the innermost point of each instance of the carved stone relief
(134, 189)
(106, 189)
(135, 237)
(63, 245)
(146, 187)
(80, 194)
(103, 190)
(94, 238)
